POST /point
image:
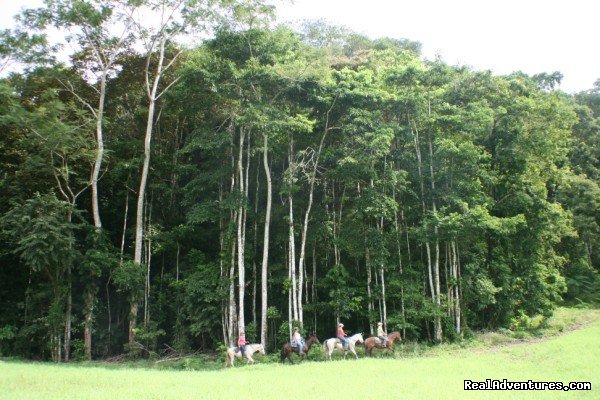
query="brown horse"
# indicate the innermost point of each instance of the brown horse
(375, 342)
(287, 349)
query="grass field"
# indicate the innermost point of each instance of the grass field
(572, 356)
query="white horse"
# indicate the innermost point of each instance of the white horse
(249, 350)
(335, 344)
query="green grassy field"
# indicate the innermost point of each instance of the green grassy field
(573, 356)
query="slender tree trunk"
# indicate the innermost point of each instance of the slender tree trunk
(400, 269)
(265, 257)
(109, 316)
(436, 275)
(139, 222)
(370, 307)
(69, 302)
(383, 297)
(314, 285)
(417, 144)
(313, 178)
(222, 275)
(89, 312)
(232, 304)
(291, 234)
(457, 295)
(124, 226)
(240, 236)
(99, 151)
(292, 257)
(68, 313)
(255, 247)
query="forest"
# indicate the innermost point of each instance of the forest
(192, 170)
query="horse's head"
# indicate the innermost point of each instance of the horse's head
(261, 349)
(360, 338)
(314, 339)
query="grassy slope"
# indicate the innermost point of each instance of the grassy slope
(572, 357)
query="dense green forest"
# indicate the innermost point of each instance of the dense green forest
(157, 194)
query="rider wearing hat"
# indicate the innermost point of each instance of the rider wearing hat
(299, 341)
(381, 334)
(342, 335)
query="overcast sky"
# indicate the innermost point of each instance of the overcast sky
(509, 35)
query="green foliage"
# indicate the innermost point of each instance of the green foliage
(43, 236)
(129, 278)
(408, 165)
(7, 335)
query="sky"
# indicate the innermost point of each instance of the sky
(532, 36)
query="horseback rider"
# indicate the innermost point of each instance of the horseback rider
(297, 338)
(381, 334)
(342, 336)
(242, 342)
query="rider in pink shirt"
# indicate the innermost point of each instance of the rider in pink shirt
(342, 336)
(242, 342)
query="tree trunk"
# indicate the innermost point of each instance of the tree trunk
(436, 275)
(430, 269)
(313, 178)
(232, 305)
(291, 239)
(139, 222)
(240, 236)
(68, 311)
(370, 307)
(265, 257)
(89, 314)
(99, 152)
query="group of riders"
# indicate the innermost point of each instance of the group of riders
(299, 342)
(381, 334)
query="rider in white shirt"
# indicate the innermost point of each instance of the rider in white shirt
(299, 341)
(382, 334)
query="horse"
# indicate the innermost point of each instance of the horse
(375, 342)
(335, 344)
(287, 349)
(249, 350)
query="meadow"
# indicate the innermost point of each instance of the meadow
(573, 355)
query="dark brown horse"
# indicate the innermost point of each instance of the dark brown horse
(375, 342)
(287, 349)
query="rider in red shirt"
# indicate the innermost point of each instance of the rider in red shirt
(242, 342)
(342, 336)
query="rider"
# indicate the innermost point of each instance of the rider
(342, 335)
(299, 341)
(383, 336)
(242, 342)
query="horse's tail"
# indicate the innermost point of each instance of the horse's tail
(227, 358)
(282, 358)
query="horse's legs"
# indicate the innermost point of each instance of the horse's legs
(354, 352)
